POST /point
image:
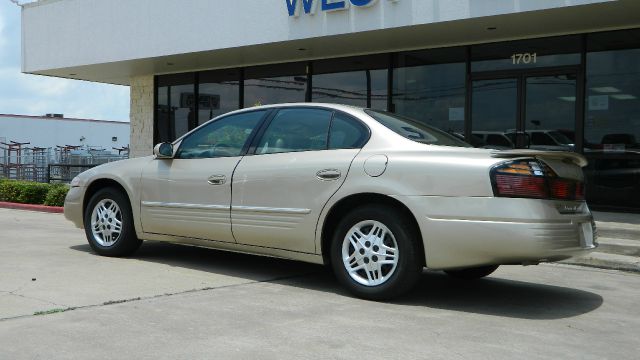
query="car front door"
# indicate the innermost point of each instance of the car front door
(296, 165)
(190, 195)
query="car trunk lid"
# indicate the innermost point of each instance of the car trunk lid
(565, 164)
(566, 157)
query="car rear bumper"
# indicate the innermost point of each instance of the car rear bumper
(73, 206)
(466, 232)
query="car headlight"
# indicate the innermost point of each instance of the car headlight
(75, 182)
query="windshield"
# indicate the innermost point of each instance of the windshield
(414, 130)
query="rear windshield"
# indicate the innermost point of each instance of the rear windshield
(414, 130)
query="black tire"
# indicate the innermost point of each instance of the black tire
(409, 260)
(125, 242)
(472, 273)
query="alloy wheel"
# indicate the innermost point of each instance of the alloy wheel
(106, 223)
(370, 253)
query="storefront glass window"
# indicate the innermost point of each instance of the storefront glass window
(613, 101)
(218, 93)
(161, 128)
(175, 109)
(429, 90)
(536, 53)
(274, 84)
(612, 120)
(359, 81)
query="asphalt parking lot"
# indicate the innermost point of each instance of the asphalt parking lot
(60, 301)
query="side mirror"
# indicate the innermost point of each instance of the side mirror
(163, 151)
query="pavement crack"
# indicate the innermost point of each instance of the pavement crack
(14, 293)
(65, 308)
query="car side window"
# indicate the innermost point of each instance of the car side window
(347, 133)
(293, 130)
(224, 137)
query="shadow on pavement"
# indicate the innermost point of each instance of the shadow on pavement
(502, 297)
(250, 267)
(489, 296)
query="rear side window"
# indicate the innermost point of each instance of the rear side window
(294, 130)
(414, 130)
(347, 133)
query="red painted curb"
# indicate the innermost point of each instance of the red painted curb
(31, 207)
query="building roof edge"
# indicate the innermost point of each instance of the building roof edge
(63, 118)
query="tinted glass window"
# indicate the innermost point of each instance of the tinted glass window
(613, 101)
(416, 131)
(347, 133)
(221, 138)
(358, 81)
(612, 123)
(274, 84)
(499, 140)
(175, 109)
(540, 138)
(430, 86)
(218, 93)
(296, 130)
(162, 128)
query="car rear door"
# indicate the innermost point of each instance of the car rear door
(299, 161)
(190, 195)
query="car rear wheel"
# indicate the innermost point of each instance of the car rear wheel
(108, 224)
(472, 273)
(374, 253)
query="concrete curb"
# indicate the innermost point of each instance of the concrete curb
(607, 261)
(31, 207)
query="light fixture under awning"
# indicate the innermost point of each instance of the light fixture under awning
(606, 90)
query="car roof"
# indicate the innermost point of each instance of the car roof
(347, 108)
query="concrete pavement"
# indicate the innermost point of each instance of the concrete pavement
(46, 263)
(170, 301)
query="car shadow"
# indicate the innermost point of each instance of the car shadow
(501, 297)
(250, 267)
(490, 296)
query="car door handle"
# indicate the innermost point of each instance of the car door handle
(217, 180)
(328, 174)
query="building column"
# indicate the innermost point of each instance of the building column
(141, 140)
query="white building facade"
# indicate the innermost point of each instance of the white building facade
(52, 132)
(562, 74)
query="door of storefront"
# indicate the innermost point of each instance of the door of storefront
(534, 109)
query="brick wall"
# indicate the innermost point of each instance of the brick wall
(141, 140)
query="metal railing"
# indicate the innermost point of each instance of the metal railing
(47, 165)
(64, 173)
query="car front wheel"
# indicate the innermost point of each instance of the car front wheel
(108, 224)
(374, 253)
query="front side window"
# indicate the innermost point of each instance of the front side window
(224, 137)
(293, 130)
(414, 130)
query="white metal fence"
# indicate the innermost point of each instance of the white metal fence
(33, 164)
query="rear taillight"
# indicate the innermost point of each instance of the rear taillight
(521, 186)
(533, 179)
